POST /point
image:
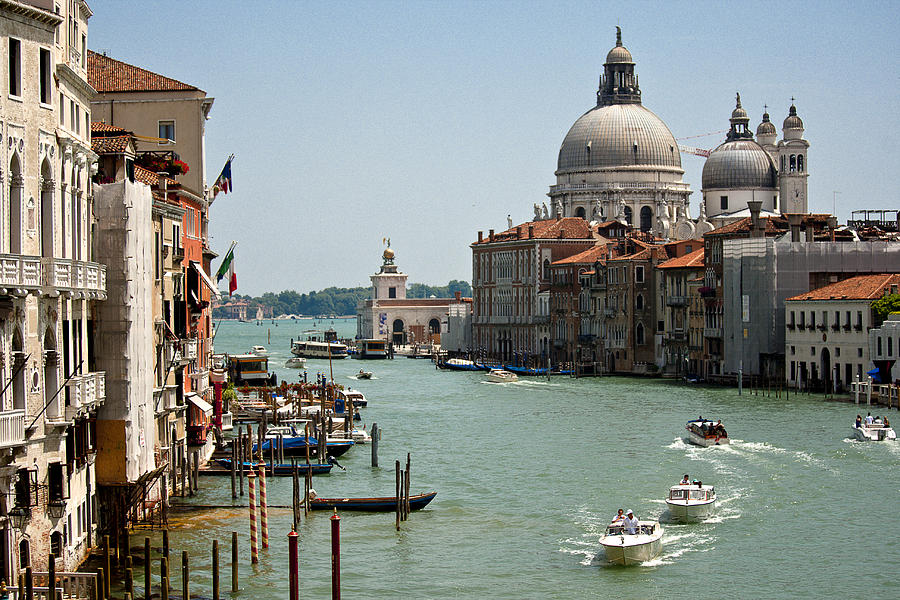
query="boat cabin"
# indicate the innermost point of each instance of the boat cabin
(249, 369)
(619, 529)
(692, 493)
(371, 348)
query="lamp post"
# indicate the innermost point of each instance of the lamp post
(18, 516)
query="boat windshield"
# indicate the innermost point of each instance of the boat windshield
(676, 494)
(615, 530)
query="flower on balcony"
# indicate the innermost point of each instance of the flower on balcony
(157, 164)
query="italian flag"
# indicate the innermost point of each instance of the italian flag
(227, 269)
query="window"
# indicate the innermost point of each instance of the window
(639, 334)
(639, 302)
(392, 292)
(76, 120)
(723, 202)
(15, 67)
(890, 347)
(71, 114)
(859, 352)
(639, 274)
(62, 110)
(46, 83)
(167, 131)
(24, 495)
(837, 351)
(56, 485)
(793, 349)
(878, 340)
(812, 350)
(793, 162)
(800, 163)
(812, 319)
(83, 49)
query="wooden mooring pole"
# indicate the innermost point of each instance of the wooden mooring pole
(335, 556)
(375, 432)
(263, 505)
(234, 469)
(294, 565)
(397, 489)
(215, 570)
(147, 578)
(251, 481)
(234, 562)
(185, 576)
(51, 576)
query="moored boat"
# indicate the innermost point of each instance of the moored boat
(460, 364)
(704, 432)
(371, 349)
(297, 446)
(691, 502)
(281, 469)
(624, 548)
(382, 504)
(501, 376)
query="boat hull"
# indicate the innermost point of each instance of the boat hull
(385, 504)
(681, 512)
(631, 552)
(297, 447)
(873, 434)
(282, 469)
(699, 440)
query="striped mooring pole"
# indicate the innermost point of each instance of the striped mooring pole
(263, 505)
(254, 552)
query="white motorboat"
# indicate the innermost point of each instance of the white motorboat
(706, 433)
(355, 395)
(632, 548)
(501, 376)
(878, 431)
(259, 351)
(691, 502)
(295, 362)
(364, 374)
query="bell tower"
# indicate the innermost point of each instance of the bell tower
(388, 283)
(792, 165)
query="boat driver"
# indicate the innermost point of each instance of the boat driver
(631, 523)
(620, 516)
(685, 480)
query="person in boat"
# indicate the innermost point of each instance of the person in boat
(620, 516)
(869, 419)
(858, 421)
(356, 415)
(333, 461)
(685, 480)
(886, 422)
(631, 523)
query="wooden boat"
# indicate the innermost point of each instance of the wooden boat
(280, 469)
(296, 446)
(385, 504)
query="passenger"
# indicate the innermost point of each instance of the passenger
(620, 516)
(631, 523)
(333, 461)
(685, 480)
(869, 419)
(858, 421)
(886, 422)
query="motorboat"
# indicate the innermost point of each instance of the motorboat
(295, 362)
(691, 502)
(316, 349)
(501, 376)
(706, 433)
(250, 370)
(364, 374)
(259, 351)
(460, 364)
(632, 548)
(371, 349)
(877, 431)
(356, 396)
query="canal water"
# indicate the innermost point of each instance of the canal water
(529, 473)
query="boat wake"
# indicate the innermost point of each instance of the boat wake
(761, 449)
(373, 377)
(677, 544)
(587, 545)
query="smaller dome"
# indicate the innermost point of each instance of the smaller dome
(619, 54)
(388, 254)
(739, 164)
(766, 127)
(739, 112)
(792, 121)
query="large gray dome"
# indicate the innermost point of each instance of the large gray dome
(739, 164)
(618, 135)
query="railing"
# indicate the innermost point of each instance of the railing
(71, 586)
(86, 392)
(676, 336)
(17, 271)
(73, 275)
(609, 312)
(189, 349)
(201, 381)
(12, 428)
(712, 332)
(677, 301)
(634, 185)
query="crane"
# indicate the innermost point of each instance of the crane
(697, 151)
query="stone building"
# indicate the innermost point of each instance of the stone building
(676, 275)
(884, 346)
(50, 287)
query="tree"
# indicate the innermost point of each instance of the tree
(884, 306)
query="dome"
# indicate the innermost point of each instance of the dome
(792, 121)
(618, 135)
(388, 254)
(739, 112)
(739, 164)
(619, 54)
(766, 127)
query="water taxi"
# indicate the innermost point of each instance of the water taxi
(311, 349)
(371, 349)
(691, 502)
(501, 376)
(249, 369)
(460, 364)
(703, 432)
(295, 362)
(624, 548)
(877, 431)
(259, 351)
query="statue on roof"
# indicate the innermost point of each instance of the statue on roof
(545, 214)
(509, 221)
(558, 208)
(537, 212)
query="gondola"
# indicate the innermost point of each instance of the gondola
(385, 504)
(281, 469)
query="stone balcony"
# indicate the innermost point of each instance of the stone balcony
(677, 301)
(12, 428)
(712, 332)
(86, 392)
(20, 274)
(201, 381)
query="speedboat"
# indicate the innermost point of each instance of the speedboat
(460, 364)
(703, 432)
(364, 374)
(877, 431)
(632, 548)
(501, 376)
(295, 362)
(355, 395)
(259, 351)
(691, 502)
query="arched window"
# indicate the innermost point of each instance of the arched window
(799, 163)
(24, 554)
(646, 219)
(639, 302)
(546, 269)
(628, 215)
(793, 162)
(579, 212)
(639, 334)
(782, 163)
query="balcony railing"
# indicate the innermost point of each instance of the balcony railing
(12, 428)
(201, 381)
(86, 392)
(677, 301)
(227, 421)
(73, 275)
(661, 186)
(712, 332)
(20, 272)
(609, 312)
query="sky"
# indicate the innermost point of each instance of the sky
(425, 122)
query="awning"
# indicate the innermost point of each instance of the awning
(201, 404)
(206, 279)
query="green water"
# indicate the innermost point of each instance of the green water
(529, 473)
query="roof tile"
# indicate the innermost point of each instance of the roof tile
(861, 287)
(107, 74)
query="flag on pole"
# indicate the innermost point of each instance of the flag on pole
(223, 182)
(227, 269)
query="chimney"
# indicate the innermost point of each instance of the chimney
(491, 235)
(163, 183)
(558, 216)
(754, 206)
(810, 230)
(480, 236)
(518, 232)
(530, 232)
(458, 296)
(794, 219)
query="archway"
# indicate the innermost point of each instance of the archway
(16, 183)
(399, 337)
(628, 216)
(826, 369)
(579, 212)
(639, 334)
(434, 327)
(18, 366)
(51, 374)
(646, 219)
(47, 185)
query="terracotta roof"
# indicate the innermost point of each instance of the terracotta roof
(106, 74)
(861, 287)
(110, 145)
(692, 260)
(587, 257)
(647, 253)
(774, 225)
(101, 127)
(149, 177)
(569, 228)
